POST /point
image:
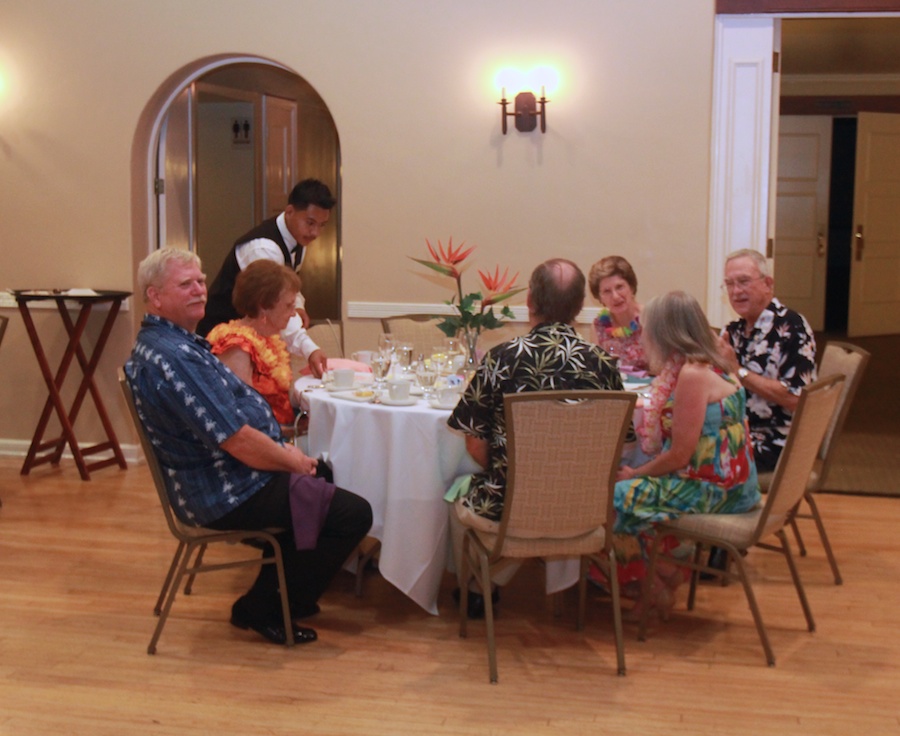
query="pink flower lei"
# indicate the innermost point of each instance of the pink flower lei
(660, 390)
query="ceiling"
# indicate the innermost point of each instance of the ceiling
(840, 46)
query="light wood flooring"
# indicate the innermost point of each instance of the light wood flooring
(81, 564)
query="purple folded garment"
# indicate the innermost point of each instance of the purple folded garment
(310, 498)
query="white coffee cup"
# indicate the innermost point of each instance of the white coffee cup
(448, 396)
(343, 377)
(363, 356)
(399, 390)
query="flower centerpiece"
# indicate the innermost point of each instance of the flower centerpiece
(474, 312)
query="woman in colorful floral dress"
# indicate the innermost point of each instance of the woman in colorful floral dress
(695, 429)
(618, 326)
(264, 293)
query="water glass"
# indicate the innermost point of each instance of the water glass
(381, 364)
(425, 377)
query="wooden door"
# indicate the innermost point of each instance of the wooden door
(875, 259)
(279, 153)
(801, 214)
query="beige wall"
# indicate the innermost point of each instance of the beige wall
(624, 166)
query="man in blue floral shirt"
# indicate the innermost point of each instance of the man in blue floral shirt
(223, 457)
(552, 356)
(771, 348)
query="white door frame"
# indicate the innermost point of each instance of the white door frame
(744, 140)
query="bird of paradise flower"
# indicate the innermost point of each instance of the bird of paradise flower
(475, 311)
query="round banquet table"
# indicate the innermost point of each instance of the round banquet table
(401, 459)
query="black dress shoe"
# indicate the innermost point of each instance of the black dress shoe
(475, 603)
(271, 630)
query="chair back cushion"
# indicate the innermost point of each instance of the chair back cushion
(849, 361)
(563, 450)
(818, 403)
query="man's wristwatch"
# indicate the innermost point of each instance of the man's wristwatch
(742, 374)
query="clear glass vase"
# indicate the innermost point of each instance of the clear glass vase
(471, 338)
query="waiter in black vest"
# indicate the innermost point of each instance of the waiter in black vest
(282, 239)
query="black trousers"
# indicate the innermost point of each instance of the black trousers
(307, 572)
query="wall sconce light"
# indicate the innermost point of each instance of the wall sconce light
(526, 110)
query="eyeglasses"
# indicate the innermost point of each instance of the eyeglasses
(742, 283)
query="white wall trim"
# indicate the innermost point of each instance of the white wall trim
(378, 310)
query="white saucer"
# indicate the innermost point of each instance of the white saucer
(356, 384)
(388, 401)
(435, 404)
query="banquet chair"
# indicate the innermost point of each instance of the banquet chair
(737, 533)
(849, 361)
(329, 336)
(419, 329)
(563, 450)
(193, 539)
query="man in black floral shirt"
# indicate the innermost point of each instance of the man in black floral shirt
(552, 356)
(771, 348)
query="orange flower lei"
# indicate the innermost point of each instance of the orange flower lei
(271, 353)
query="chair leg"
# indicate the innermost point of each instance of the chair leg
(647, 588)
(282, 589)
(695, 576)
(829, 552)
(795, 576)
(189, 585)
(489, 616)
(754, 607)
(801, 548)
(168, 581)
(617, 613)
(170, 597)
(367, 550)
(582, 592)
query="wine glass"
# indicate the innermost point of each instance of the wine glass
(386, 341)
(425, 377)
(403, 352)
(439, 359)
(454, 351)
(381, 364)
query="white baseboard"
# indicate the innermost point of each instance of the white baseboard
(19, 448)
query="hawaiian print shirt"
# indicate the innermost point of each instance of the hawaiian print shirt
(190, 403)
(781, 346)
(550, 357)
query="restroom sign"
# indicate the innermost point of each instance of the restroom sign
(240, 132)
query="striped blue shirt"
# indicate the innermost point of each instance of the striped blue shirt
(190, 403)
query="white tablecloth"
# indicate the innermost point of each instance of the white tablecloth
(402, 460)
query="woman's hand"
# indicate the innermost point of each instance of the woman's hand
(625, 472)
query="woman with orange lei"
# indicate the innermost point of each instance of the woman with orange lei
(251, 346)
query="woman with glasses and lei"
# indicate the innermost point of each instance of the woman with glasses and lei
(617, 326)
(695, 431)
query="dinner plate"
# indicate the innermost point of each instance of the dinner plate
(435, 404)
(350, 395)
(388, 401)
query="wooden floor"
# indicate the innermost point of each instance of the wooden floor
(81, 564)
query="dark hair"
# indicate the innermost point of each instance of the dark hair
(260, 285)
(611, 266)
(311, 191)
(557, 291)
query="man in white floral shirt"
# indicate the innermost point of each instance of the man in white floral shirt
(771, 348)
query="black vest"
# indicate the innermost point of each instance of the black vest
(218, 306)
